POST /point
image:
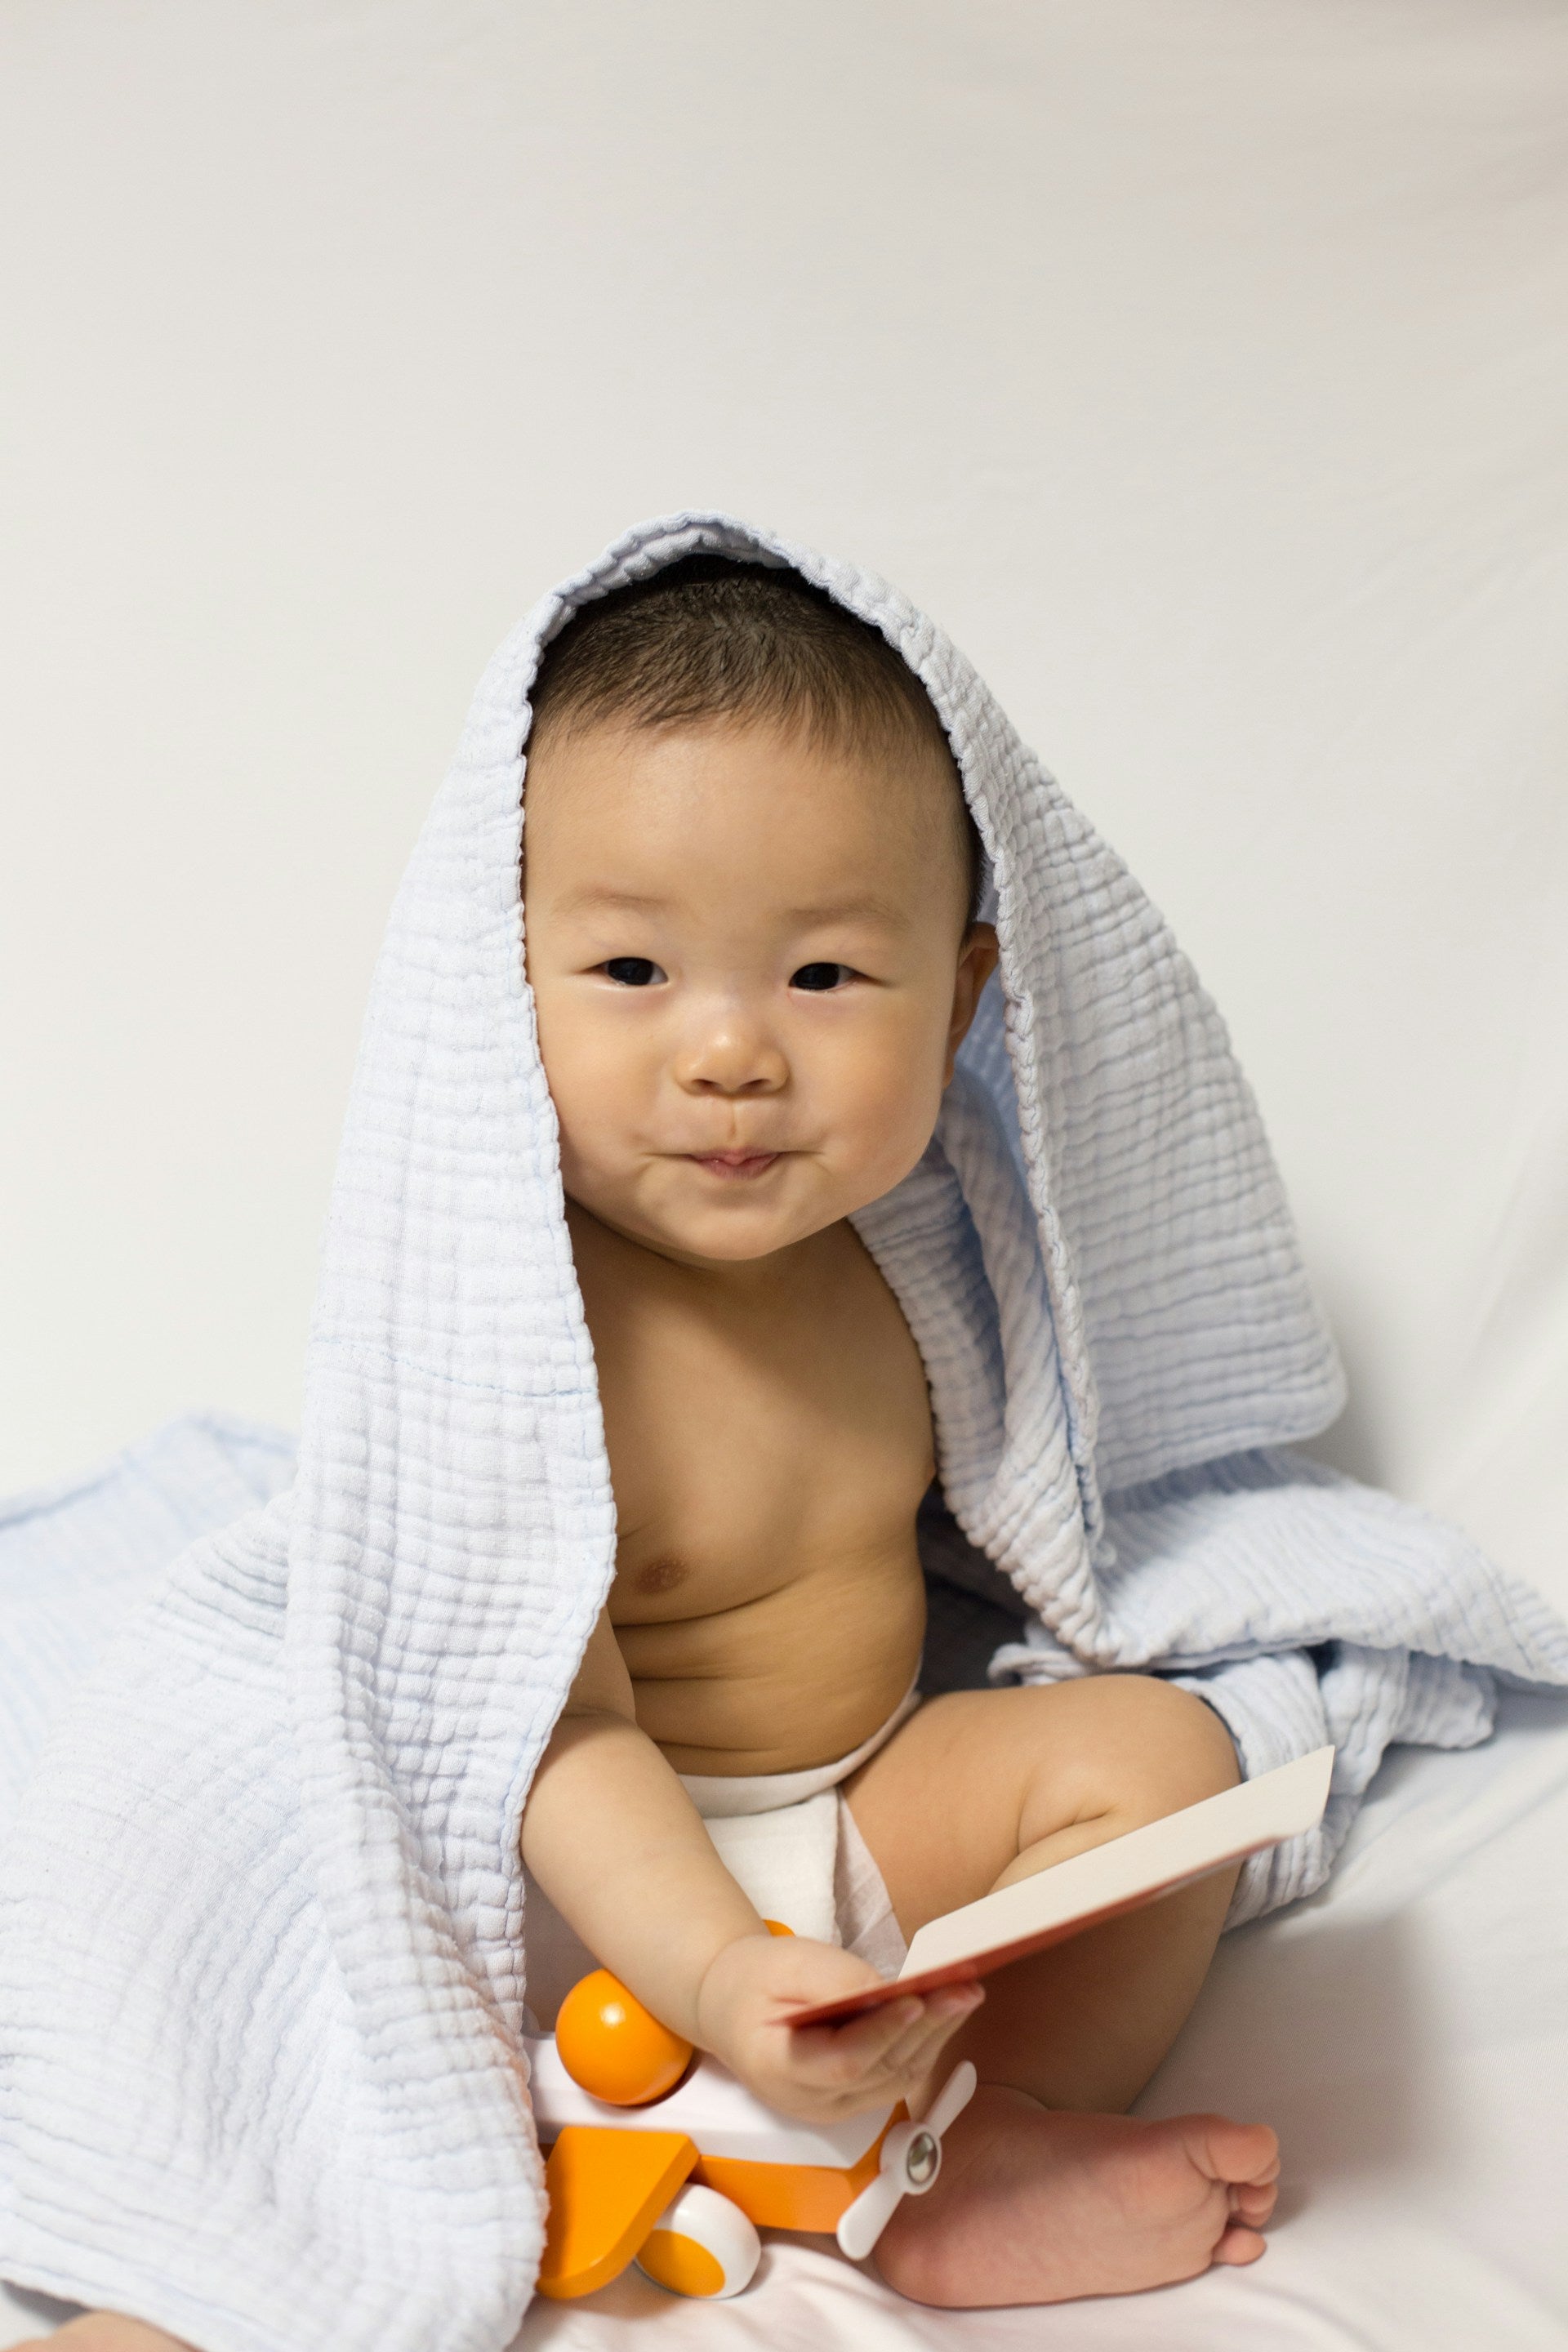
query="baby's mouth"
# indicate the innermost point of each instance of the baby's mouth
(733, 1167)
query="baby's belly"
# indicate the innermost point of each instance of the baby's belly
(798, 1678)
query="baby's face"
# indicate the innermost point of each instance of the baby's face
(748, 961)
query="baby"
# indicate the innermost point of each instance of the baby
(749, 899)
(750, 890)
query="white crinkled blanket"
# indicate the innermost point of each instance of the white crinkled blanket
(262, 1948)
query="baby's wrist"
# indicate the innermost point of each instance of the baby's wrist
(721, 1981)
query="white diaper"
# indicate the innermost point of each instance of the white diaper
(789, 1840)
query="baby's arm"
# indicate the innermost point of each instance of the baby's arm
(617, 1843)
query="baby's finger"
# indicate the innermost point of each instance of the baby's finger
(917, 2051)
(847, 2054)
(907, 2052)
(939, 2014)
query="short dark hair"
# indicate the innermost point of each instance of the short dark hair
(710, 638)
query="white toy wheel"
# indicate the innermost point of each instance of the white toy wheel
(702, 2244)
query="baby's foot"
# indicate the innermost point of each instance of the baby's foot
(1040, 2205)
(105, 2331)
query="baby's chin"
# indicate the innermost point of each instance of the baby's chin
(720, 1222)
(719, 1241)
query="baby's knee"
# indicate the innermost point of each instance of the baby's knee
(1153, 1748)
(1188, 1743)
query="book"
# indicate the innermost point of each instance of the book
(1122, 1875)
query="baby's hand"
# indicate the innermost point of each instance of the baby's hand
(820, 2072)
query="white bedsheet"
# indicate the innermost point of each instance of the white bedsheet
(1407, 2032)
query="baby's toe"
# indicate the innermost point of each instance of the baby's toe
(1239, 2152)
(1253, 2202)
(1238, 2246)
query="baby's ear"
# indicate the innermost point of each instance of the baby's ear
(977, 959)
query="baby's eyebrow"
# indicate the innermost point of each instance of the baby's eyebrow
(860, 907)
(600, 894)
(844, 911)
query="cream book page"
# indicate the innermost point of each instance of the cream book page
(1119, 1877)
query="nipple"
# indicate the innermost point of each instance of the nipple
(661, 1575)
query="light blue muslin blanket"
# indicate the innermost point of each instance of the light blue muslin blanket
(262, 1945)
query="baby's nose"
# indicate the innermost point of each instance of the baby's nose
(731, 1056)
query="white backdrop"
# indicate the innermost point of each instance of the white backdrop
(1200, 364)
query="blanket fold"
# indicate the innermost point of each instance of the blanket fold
(262, 1949)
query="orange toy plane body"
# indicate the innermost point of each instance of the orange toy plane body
(616, 2169)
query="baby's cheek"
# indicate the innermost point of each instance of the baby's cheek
(597, 1155)
(596, 1080)
(888, 1123)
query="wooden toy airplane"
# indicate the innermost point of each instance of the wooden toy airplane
(661, 2157)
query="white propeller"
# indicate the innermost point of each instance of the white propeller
(912, 2159)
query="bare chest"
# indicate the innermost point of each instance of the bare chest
(750, 1450)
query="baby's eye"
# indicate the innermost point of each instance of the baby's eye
(631, 972)
(819, 976)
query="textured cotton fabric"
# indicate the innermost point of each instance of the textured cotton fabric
(262, 1957)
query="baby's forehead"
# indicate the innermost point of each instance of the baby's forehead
(755, 774)
(801, 830)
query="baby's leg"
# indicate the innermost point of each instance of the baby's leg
(1035, 2204)
(982, 1788)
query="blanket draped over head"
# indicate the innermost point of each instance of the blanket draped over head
(262, 1960)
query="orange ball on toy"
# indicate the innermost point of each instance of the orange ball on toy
(613, 2047)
